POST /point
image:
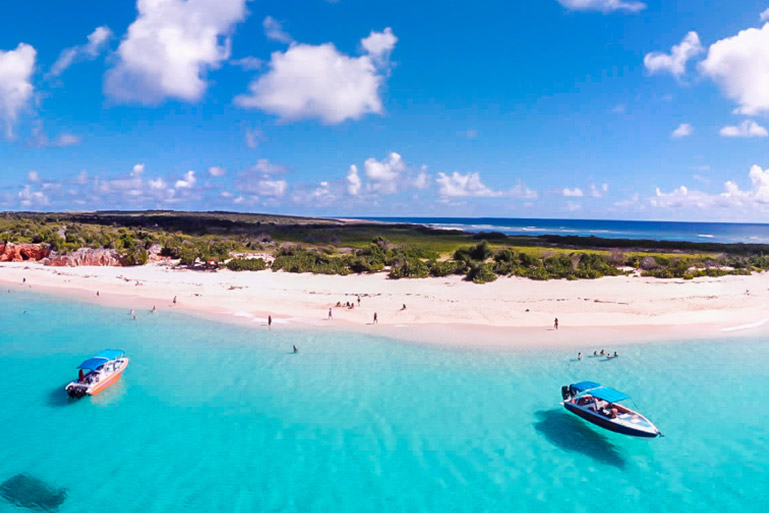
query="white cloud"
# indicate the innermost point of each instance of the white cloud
(379, 45)
(422, 181)
(675, 62)
(764, 15)
(33, 177)
(322, 195)
(267, 187)
(572, 193)
(187, 182)
(319, 82)
(137, 170)
(603, 5)
(217, 171)
(353, 181)
(248, 63)
(254, 137)
(273, 29)
(97, 41)
(683, 130)
(458, 185)
(740, 66)
(31, 198)
(384, 176)
(40, 140)
(599, 193)
(747, 128)
(265, 167)
(16, 67)
(169, 48)
(756, 198)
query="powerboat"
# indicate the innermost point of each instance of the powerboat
(600, 405)
(98, 372)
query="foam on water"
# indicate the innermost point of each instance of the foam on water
(212, 417)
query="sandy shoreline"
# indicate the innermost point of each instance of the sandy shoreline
(511, 312)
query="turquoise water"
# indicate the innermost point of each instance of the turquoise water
(216, 418)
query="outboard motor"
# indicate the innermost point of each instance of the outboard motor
(566, 392)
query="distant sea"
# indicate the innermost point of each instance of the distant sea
(751, 233)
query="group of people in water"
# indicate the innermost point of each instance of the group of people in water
(600, 353)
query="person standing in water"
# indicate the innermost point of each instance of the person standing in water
(296, 350)
(579, 356)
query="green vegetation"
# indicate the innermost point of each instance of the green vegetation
(327, 246)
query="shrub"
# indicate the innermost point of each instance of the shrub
(481, 273)
(247, 264)
(409, 268)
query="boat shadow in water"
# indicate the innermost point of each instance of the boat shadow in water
(572, 434)
(59, 397)
(25, 491)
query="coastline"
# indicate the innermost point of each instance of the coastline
(512, 313)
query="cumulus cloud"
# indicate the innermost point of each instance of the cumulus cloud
(572, 193)
(187, 182)
(40, 140)
(170, 47)
(217, 171)
(675, 62)
(458, 185)
(603, 5)
(16, 67)
(764, 16)
(354, 183)
(273, 29)
(385, 175)
(33, 177)
(747, 128)
(97, 41)
(683, 130)
(319, 82)
(32, 198)
(732, 197)
(739, 65)
(258, 180)
(599, 192)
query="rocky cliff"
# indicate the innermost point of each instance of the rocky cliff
(86, 256)
(23, 252)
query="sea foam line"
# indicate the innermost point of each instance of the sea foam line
(747, 326)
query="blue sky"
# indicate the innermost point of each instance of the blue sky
(548, 108)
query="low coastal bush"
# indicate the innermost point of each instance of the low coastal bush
(303, 261)
(246, 264)
(481, 273)
(406, 267)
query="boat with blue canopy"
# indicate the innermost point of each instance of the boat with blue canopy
(98, 372)
(598, 404)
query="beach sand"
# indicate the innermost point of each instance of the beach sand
(508, 313)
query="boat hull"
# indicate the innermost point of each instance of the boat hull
(601, 421)
(78, 390)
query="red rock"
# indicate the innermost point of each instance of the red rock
(23, 252)
(86, 256)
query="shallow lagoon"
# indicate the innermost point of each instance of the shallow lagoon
(212, 417)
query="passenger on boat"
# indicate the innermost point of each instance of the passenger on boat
(613, 412)
(80, 376)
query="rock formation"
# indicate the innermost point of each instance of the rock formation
(10, 252)
(86, 256)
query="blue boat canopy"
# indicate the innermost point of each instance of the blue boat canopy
(585, 385)
(100, 359)
(609, 394)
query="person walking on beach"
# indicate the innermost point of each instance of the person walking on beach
(358, 300)
(174, 299)
(97, 293)
(24, 280)
(269, 323)
(376, 319)
(555, 323)
(330, 314)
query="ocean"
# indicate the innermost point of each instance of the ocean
(219, 418)
(752, 233)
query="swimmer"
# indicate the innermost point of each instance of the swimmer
(615, 354)
(296, 350)
(154, 309)
(579, 356)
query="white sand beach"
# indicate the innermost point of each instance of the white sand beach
(511, 312)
